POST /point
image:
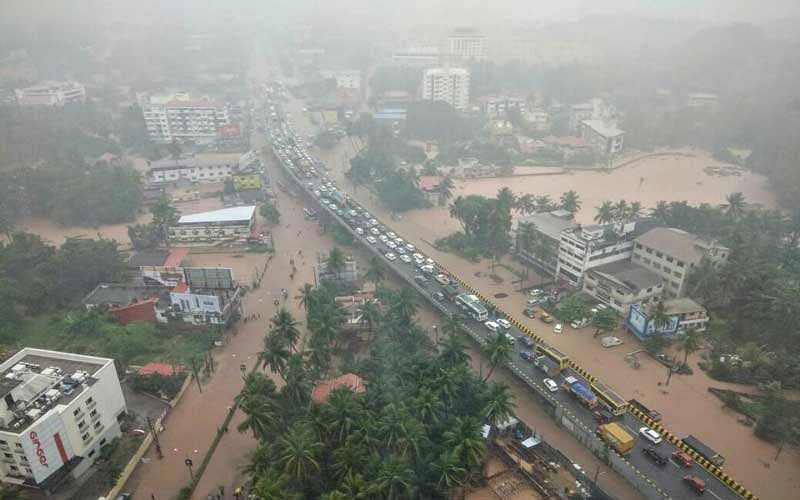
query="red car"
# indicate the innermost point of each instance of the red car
(695, 483)
(682, 458)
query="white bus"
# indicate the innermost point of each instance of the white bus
(473, 306)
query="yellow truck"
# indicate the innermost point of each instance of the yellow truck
(616, 436)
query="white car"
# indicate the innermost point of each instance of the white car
(410, 247)
(391, 245)
(372, 240)
(317, 193)
(405, 258)
(430, 261)
(399, 241)
(390, 256)
(418, 257)
(650, 435)
(551, 384)
(372, 222)
(383, 238)
(610, 341)
(374, 230)
(504, 323)
(492, 326)
(558, 328)
(353, 213)
(401, 250)
(359, 231)
(333, 206)
(391, 234)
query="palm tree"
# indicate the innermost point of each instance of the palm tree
(499, 403)
(283, 324)
(634, 210)
(704, 282)
(446, 188)
(306, 294)
(256, 384)
(394, 480)
(464, 437)
(428, 405)
(605, 213)
(505, 200)
(621, 211)
(449, 470)
(690, 342)
(354, 486)
(526, 204)
(571, 202)
(405, 305)
(262, 415)
(297, 390)
(275, 353)
(659, 316)
(498, 349)
(299, 452)
(349, 458)
(376, 272)
(336, 262)
(661, 212)
(454, 351)
(269, 488)
(371, 314)
(734, 208)
(544, 203)
(164, 215)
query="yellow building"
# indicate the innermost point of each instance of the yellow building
(247, 181)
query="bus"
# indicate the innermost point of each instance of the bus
(615, 403)
(556, 355)
(473, 306)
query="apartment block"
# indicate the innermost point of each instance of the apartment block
(57, 411)
(673, 253)
(468, 45)
(178, 117)
(51, 93)
(447, 84)
(622, 284)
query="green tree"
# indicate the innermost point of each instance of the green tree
(284, 325)
(376, 271)
(299, 453)
(164, 216)
(571, 202)
(735, 205)
(270, 213)
(446, 188)
(275, 354)
(689, 343)
(499, 405)
(604, 320)
(336, 262)
(659, 317)
(394, 479)
(498, 350)
(605, 213)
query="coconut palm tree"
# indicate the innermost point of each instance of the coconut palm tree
(394, 481)
(621, 211)
(634, 210)
(605, 213)
(498, 349)
(405, 305)
(704, 282)
(464, 437)
(661, 212)
(505, 200)
(270, 488)
(689, 343)
(275, 353)
(659, 316)
(297, 390)
(354, 486)
(735, 205)
(451, 474)
(428, 405)
(299, 452)
(571, 202)
(371, 314)
(544, 203)
(453, 350)
(499, 403)
(376, 271)
(283, 324)
(306, 296)
(262, 414)
(446, 188)
(336, 262)
(526, 204)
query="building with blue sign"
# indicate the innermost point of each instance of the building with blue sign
(683, 313)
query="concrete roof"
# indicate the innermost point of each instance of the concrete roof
(682, 305)
(201, 160)
(676, 243)
(601, 128)
(549, 223)
(148, 258)
(232, 214)
(631, 275)
(122, 294)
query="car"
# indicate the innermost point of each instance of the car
(492, 326)
(352, 213)
(532, 302)
(427, 269)
(504, 323)
(551, 384)
(371, 240)
(418, 257)
(399, 241)
(391, 245)
(405, 258)
(439, 296)
(383, 238)
(655, 456)
(650, 435)
(682, 458)
(526, 341)
(359, 231)
(536, 292)
(332, 206)
(401, 250)
(410, 247)
(546, 318)
(323, 189)
(390, 256)
(430, 261)
(372, 222)
(391, 234)
(529, 313)
(374, 230)
(527, 356)
(610, 341)
(422, 280)
(696, 483)
(317, 193)
(558, 328)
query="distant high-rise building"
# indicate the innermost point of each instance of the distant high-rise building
(178, 117)
(51, 94)
(468, 45)
(424, 56)
(450, 85)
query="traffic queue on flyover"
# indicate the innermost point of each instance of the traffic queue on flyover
(606, 406)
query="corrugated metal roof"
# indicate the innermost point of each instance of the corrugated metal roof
(232, 214)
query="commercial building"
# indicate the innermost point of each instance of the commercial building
(584, 247)
(603, 136)
(546, 235)
(468, 45)
(499, 105)
(51, 93)
(197, 305)
(673, 253)
(683, 313)
(447, 84)
(196, 168)
(621, 284)
(179, 117)
(419, 56)
(215, 226)
(57, 411)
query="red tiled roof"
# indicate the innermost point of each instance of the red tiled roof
(181, 287)
(429, 182)
(160, 369)
(350, 380)
(176, 255)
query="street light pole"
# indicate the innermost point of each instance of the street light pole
(669, 374)
(189, 465)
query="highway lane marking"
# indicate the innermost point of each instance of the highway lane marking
(715, 495)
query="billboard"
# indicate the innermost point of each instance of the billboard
(47, 446)
(217, 278)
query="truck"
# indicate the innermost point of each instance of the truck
(616, 436)
(547, 365)
(656, 416)
(703, 450)
(580, 391)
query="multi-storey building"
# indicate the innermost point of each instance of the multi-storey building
(468, 45)
(58, 409)
(682, 314)
(196, 168)
(499, 105)
(448, 84)
(420, 56)
(603, 136)
(545, 235)
(217, 225)
(178, 117)
(51, 94)
(621, 284)
(345, 79)
(673, 253)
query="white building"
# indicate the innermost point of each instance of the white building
(345, 79)
(468, 45)
(593, 109)
(420, 56)
(57, 411)
(215, 226)
(197, 168)
(178, 117)
(622, 284)
(450, 85)
(199, 306)
(538, 119)
(499, 105)
(51, 93)
(584, 247)
(603, 136)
